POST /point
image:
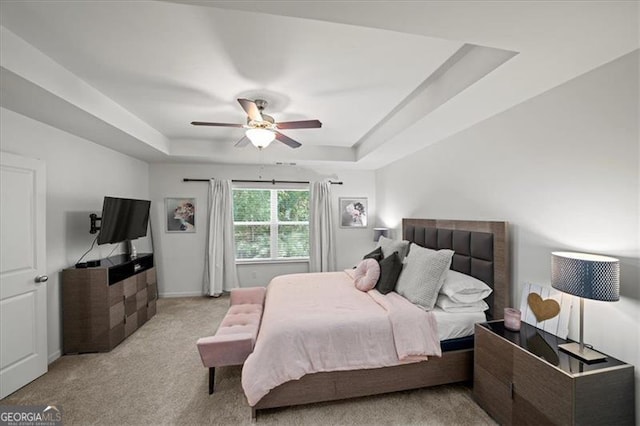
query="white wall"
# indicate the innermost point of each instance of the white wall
(562, 168)
(79, 174)
(180, 257)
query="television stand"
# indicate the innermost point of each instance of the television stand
(130, 249)
(105, 304)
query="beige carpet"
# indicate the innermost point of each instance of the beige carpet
(156, 377)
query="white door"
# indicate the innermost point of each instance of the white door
(23, 287)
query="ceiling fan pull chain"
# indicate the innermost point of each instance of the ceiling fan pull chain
(261, 163)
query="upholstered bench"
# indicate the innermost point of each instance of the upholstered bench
(236, 335)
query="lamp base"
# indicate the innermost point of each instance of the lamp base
(587, 355)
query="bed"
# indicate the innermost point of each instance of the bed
(482, 251)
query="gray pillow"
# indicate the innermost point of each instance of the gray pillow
(376, 254)
(423, 275)
(390, 268)
(390, 246)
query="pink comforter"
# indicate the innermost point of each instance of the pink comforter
(321, 322)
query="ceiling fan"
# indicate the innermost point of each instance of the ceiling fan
(262, 128)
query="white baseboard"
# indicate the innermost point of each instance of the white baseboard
(52, 357)
(181, 294)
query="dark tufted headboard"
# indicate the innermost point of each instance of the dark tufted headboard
(481, 250)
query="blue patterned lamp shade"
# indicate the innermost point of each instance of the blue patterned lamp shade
(586, 275)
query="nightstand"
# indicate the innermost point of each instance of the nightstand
(522, 378)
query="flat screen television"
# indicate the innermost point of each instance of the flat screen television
(123, 219)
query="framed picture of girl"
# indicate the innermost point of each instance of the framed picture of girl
(353, 212)
(181, 214)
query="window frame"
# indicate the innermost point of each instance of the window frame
(273, 226)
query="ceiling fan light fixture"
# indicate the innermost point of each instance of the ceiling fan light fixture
(262, 129)
(260, 138)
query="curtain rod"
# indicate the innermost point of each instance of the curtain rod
(272, 181)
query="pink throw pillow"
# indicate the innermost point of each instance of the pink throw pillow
(366, 275)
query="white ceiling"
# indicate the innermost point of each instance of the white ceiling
(385, 78)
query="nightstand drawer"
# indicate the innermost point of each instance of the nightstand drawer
(494, 354)
(544, 388)
(525, 414)
(492, 394)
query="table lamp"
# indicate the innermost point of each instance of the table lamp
(380, 232)
(587, 276)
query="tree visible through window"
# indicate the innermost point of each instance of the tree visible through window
(271, 223)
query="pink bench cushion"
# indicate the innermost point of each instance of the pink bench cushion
(236, 335)
(222, 350)
(248, 296)
(242, 319)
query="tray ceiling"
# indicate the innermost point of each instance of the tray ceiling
(385, 79)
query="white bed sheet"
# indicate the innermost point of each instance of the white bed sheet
(454, 325)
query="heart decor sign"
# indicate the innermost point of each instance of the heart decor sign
(543, 309)
(546, 309)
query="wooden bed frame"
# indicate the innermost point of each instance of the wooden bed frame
(454, 366)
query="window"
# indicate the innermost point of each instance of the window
(271, 224)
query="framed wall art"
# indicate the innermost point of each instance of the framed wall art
(181, 214)
(353, 212)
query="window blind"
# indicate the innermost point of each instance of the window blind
(271, 223)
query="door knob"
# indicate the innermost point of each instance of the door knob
(41, 279)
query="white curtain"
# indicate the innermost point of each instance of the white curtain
(220, 272)
(322, 255)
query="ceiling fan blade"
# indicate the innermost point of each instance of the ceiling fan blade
(206, 123)
(287, 140)
(303, 124)
(242, 142)
(251, 109)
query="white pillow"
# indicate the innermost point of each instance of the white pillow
(446, 304)
(462, 288)
(423, 275)
(390, 246)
